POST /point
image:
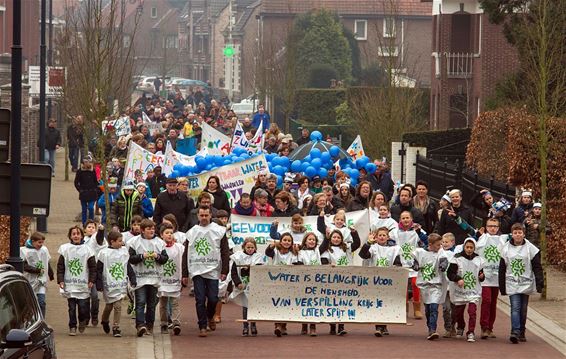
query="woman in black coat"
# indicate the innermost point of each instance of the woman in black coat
(220, 196)
(87, 185)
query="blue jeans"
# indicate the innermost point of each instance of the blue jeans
(94, 304)
(50, 158)
(87, 206)
(205, 289)
(431, 312)
(41, 301)
(146, 301)
(519, 306)
(83, 307)
(74, 156)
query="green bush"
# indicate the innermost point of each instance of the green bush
(320, 75)
(318, 106)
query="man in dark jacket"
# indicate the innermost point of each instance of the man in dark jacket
(305, 137)
(52, 143)
(406, 204)
(75, 140)
(283, 205)
(457, 219)
(127, 205)
(156, 181)
(174, 202)
(381, 181)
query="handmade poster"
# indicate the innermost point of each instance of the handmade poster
(215, 141)
(140, 159)
(173, 157)
(325, 294)
(120, 126)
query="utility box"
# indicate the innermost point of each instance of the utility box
(35, 187)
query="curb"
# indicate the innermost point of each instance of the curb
(540, 325)
(157, 346)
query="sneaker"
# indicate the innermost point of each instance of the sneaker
(514, 338)
(447, 334)
(284, 329)
(277, 332)
(176, 329)
(385, 331)
(202, 333)
(304, 329)
(142, 330)
(254, 330)
(82, 326)
(378, 332)
(341, 330)
(73, 332)
(434, 336)
(149, 328)
(522, 337)
(312, 329)
(459, 333)
(116, 333)
(105, 327)
(94, 322)
(164, 329)
(212, 325)
(471, 338)
(484, 333)
(491, 335)
(245, 332)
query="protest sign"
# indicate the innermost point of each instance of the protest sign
(356, 150)
(215, 141)
(121, 126)
(173, 157)
(252, 146)
(235, 179)
(325, 294)
(153, 127)
(256, 143)
(258, 227)
(140, 159)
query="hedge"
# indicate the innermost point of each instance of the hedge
(318, 106)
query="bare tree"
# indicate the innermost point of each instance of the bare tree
(97, 50)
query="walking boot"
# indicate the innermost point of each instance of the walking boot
(417, 310)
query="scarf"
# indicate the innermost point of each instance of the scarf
(245, 211)
(421, 205)
(265, 210)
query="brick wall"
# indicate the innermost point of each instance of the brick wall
(249, 51)
(218, 42)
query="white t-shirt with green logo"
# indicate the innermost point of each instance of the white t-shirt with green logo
(489, 247)
(115, 273)
(148, 271)
(309, 257)
(468, 270)
(38, 258)
(519, 276)
(339, 257)
(240, 297)
(382, 256)
(172, 273)
(204, 250)
(430, 279)
(408, 241)
(76, 270)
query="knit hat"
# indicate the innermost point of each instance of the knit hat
(289, 178)
(537, 205)
(129, 185)
(527, 194)
(469, 239)
(112, 182)
(446, 197)
(142, 184)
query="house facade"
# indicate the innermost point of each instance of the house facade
(470, 56)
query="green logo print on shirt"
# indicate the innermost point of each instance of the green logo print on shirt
(40, 265)
(314, 262)
(342, 261)
(491, 254)
(517, 267)
(469, 280)
(150, 261)
(117, 271)
(169, 268)
(202, 247)
(428, 272)
(406, 250)
(75, 267)
(382, 262)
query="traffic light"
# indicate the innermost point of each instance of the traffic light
(229, 51)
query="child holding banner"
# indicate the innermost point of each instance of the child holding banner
(282, 252)
(336, 252)
(242, 261)
(309, 255)
(382, 253)
(431, 266)
(298, 229)
(465, 273)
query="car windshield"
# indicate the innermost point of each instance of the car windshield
(18, 308)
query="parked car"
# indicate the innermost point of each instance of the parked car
(244, 108)
(146, 83)
(23, 330)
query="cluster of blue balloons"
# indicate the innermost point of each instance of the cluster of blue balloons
(210, 163)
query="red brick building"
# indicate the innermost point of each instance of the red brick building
(470, 55)
(30, 30)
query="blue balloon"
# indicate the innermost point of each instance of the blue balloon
(370, 167)
(285, 162)
(334, 151)
(310, 171)
(178, 167)
(362, 161)
(307, 159)
(353, 182)
(175, 174)
(208, 167)
(354, 173)
(322, 173)
(347, 170)
(275, 161)
(201, 163)
(325, 157)
(279, 180)
(269, 156)
(227, 162)
(296, 166)
(244, 156)
(315, 153)
(304, 166)
(278, 170)
(219, 161)
(316, 136)
(316, 163)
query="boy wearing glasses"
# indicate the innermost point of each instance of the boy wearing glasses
(489, 248)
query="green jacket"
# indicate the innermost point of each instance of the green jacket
(124, 208)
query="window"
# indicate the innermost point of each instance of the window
(171, 42)
(153, 12)
(18, 308)
(388, 51)
(360, 29)
(388, 27)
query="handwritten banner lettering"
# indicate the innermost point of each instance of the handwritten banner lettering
(325, 294)
(215, 141)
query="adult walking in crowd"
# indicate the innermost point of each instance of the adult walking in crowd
(457, 219)
(406, 204)
(52, 143)
(87, 186)
(362, 198)
(75, 141)
(381, 180)
(174, 202)
(426, 205)
(220, 196)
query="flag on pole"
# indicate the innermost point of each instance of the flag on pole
(239, 138)
(256, 144)
(356, 150)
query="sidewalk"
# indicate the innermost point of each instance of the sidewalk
(94, 343)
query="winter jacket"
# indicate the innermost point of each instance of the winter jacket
(288, 212)
(418, 217)
(87, 185)
(430, 215)
(177, 204)
(75, 137)
(448, 223)
(220, 200)
(52, 138)
(124, 208)
(520, 213)
(147, 207)
(383, 183)
(102, 204)
(357, 204)
(156, 184)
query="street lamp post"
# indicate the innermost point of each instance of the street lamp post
(42, 220)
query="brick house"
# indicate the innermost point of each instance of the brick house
(470, 55)
(30, 30)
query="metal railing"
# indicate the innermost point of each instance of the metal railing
(459, 64)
